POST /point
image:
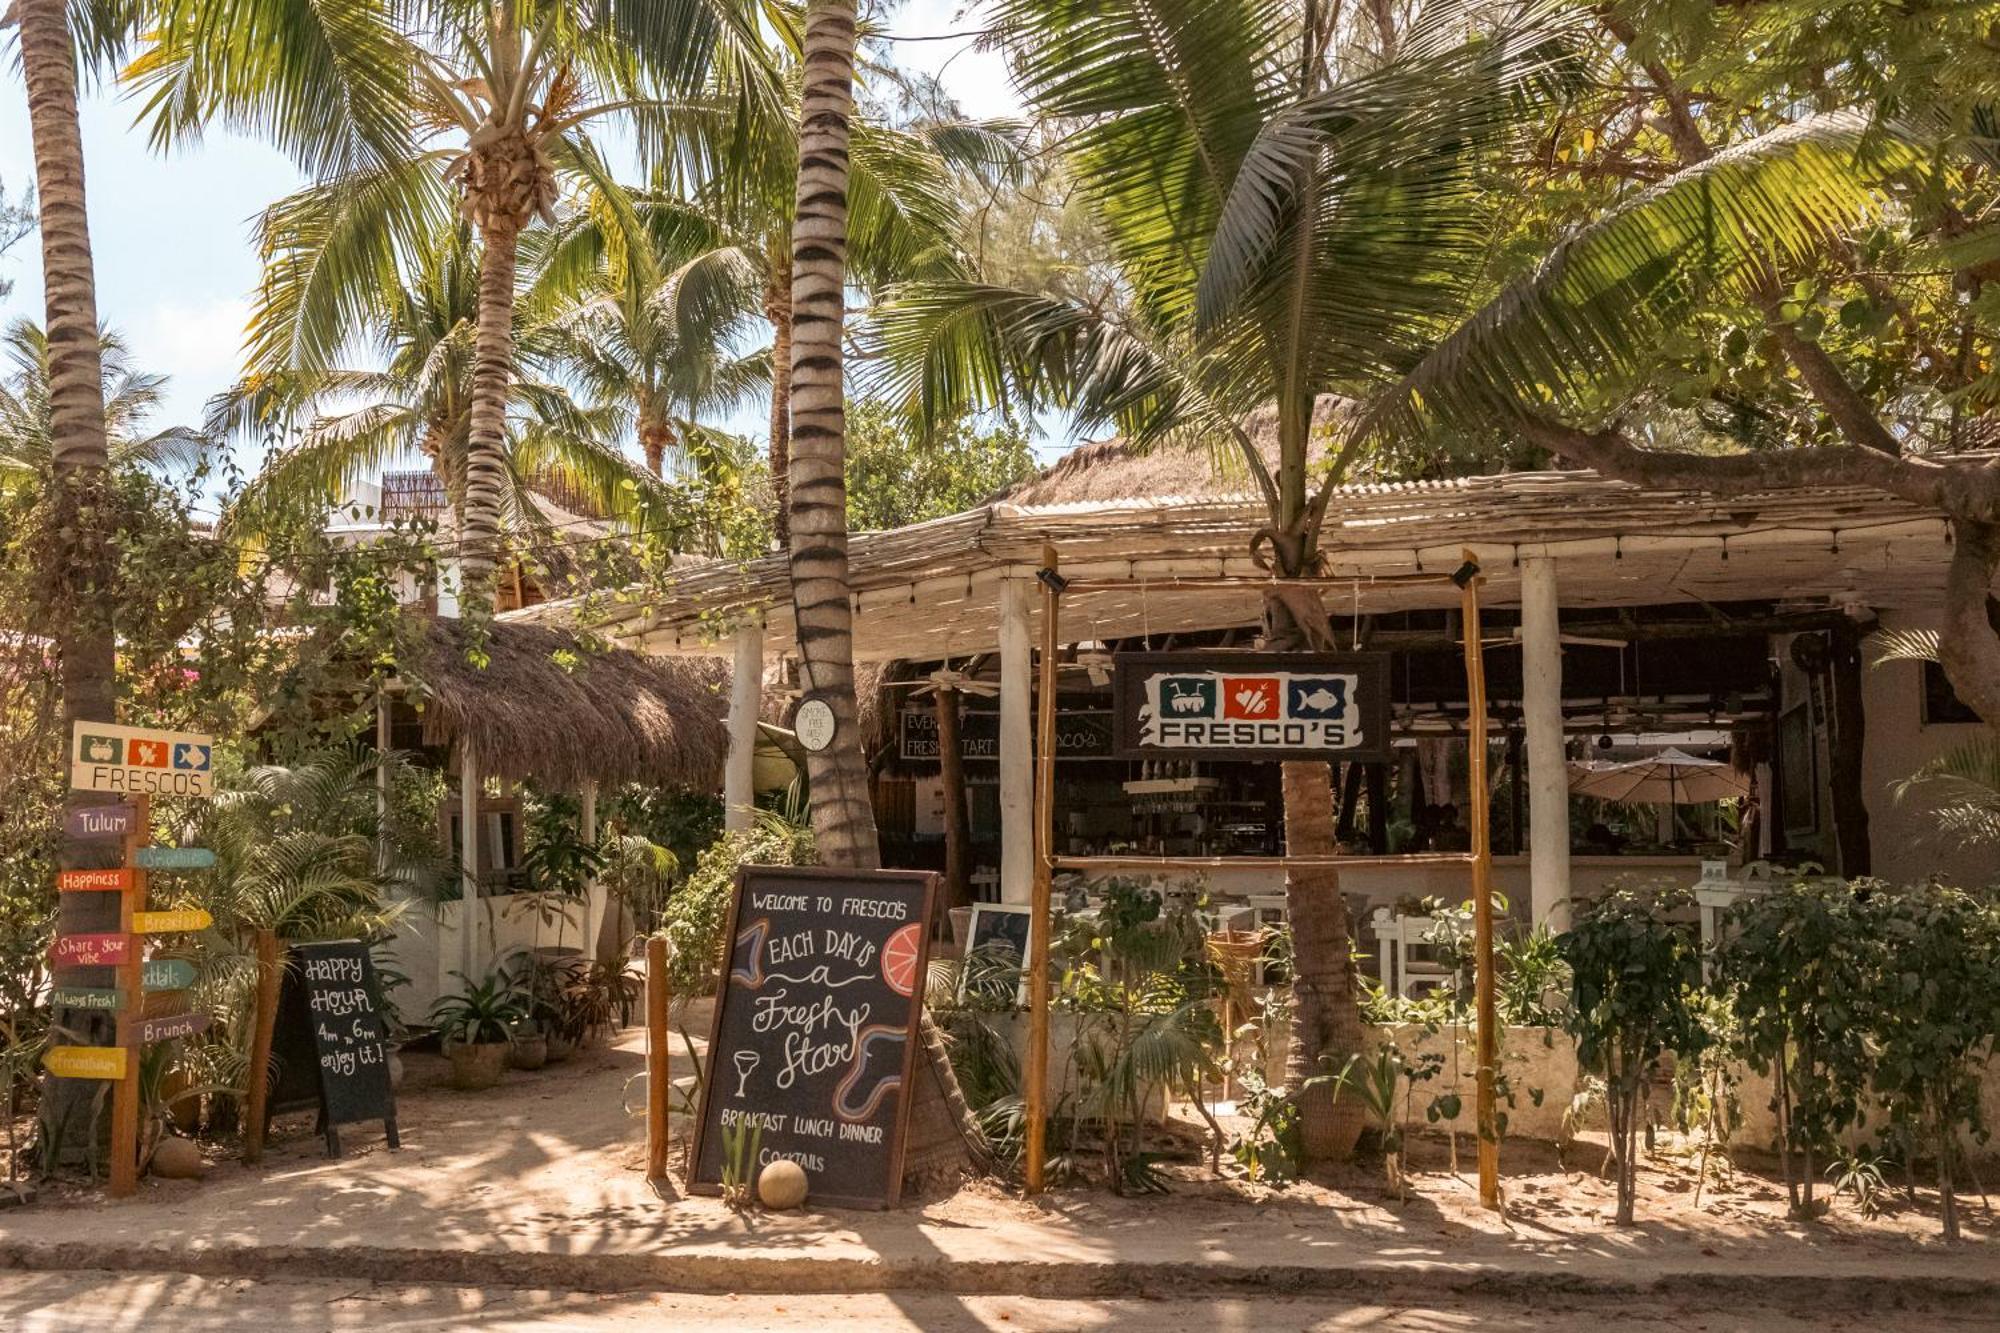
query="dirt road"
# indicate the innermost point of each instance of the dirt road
(129, 1303)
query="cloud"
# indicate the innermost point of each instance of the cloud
(197, 343)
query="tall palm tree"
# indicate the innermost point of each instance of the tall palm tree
(392, 102)
(57, 37)
(1291, 212)
(350, 423)
(27, 417)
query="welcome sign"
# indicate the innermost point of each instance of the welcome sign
(1231, 705)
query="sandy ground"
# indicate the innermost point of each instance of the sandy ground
(112, 1303)
(552, 1163)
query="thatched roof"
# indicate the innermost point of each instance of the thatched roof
(544, 706)
(1106, 470)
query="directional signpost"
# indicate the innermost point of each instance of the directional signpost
(107, 1062)
(167, 974)
(166, 923)
(138, 764)
(173, 858)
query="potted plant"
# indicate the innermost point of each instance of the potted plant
(477, 1026)
(530, 1049)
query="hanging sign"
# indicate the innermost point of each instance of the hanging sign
(167, 974)
(172, 858)
(118, 879)
(134, 760)
(103, 998)
(99, 822)
(90, 950)
(1230, 705)
(166, 923)
(149, 1030)
(815, 1029)
(85, 1061)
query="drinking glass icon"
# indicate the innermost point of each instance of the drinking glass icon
(746, 1065)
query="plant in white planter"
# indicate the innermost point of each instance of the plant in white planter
(477, 1026)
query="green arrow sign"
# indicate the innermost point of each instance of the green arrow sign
(167, 974)
(89, 997)
(173, 858)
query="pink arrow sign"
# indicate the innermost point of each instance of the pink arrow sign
(90, 950)
(166, 1029)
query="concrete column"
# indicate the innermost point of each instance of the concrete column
(593, 892)
(1017, 741)
(746, 688)
(469, 857)
(1548, 772)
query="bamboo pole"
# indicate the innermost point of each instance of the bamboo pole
(1487, 1050)
(260, 1047)
(1039, 923)
(131, 972)
(659, 1081)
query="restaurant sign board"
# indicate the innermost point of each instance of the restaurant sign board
(134, 761)
(1080, 734)
(1237, 705)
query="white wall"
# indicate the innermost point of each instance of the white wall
(1901, 836)
(415, 947)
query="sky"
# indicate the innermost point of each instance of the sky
(172, 234)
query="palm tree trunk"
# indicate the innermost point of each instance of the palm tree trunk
(1326, 1012)
(80, 511)
(778, 309)
(486, 444)
(656, 436)
(843, 817)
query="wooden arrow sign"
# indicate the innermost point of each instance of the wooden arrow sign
(104, 998)
(115, 880)
(99, 822)
(167, 974)
(173, 858)
(85, 1061)
(166, 1029)
(165, 923)
(90, 950)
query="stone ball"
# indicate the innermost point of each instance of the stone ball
(178, 1159)
(781, 1185)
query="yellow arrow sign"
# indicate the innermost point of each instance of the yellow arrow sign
(163, 923)
(85, 1061)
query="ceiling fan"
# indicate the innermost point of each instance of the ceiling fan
(946, 677)
(1095, 660)
(1578, 640)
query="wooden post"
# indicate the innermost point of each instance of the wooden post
(125, 1093)
(468, 859)
(1477, 797)
(659, 1081)
(261, 1036)
(951, 777)
(1039, 923)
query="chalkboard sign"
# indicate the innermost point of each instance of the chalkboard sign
(815, 1035)
(329, 1049)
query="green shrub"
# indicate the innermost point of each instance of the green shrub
(698, 912)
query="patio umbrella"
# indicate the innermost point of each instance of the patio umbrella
(1673, 777)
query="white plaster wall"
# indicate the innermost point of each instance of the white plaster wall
(1904, 846)
(415, 946)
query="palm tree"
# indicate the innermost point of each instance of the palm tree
(1290, 213)
(647, 330)
(422, 323)
(27, 418)
(391, 104)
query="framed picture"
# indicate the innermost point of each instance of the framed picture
(996, 954)
(1798, 771)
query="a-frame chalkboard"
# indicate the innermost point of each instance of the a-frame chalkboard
(816, 1027)
(329, 1050)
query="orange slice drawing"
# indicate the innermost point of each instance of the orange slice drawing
(899, 958)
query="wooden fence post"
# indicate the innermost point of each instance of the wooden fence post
(260, 1046)
(125, 1092)
(659, 1081)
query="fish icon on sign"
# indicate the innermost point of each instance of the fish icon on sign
(1319, 696)
(190, 756)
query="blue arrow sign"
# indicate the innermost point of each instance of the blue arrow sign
(167, 974)
(173, 858)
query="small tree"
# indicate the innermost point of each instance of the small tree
(1632, 976)
(1795, 965)
(1936, 1011)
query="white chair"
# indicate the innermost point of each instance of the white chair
(1397, 938)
